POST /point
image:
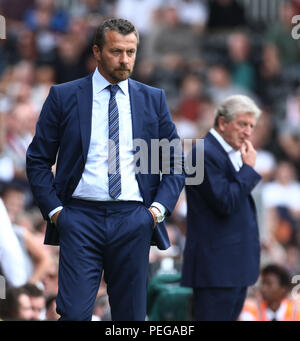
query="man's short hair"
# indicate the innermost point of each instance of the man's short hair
(280, 272)
(121, 26)
(234, 105)
(32, 290)
(9, 308)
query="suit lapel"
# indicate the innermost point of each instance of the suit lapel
(85, 104)
(137, 114)
(215, 142)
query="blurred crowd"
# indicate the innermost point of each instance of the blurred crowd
(199, 52)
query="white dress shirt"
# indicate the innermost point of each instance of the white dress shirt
(234, 155)
(93, 184)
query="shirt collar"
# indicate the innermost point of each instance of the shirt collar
(227, 147)
(100, 83)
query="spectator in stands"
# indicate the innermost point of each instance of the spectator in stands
(19, 136)
(206, 115)
(101, 309)
(45, 15)
(241, 66)
(220, 84)
(275, 304)
(191, 91)
(14, 200)
(6, 164)
(16, 306)
(225, 14)
(50, 280)
(292, 117)
(23, 47)
(37, 262)
(14, 10)
(192, 13)
(140, 12)
(69, 64)
(270, 81)
(281, 203)
(172, 37)
(12, 263)
(51, 314)
(262, 139)
(44, 78)
(37, 299)
(279, 35)
(289, 145)
(296, 4)
(292, 261)
(167, 73)
(284, 190)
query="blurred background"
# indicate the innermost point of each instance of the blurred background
(199, 52)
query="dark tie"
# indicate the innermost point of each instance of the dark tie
(114, 176)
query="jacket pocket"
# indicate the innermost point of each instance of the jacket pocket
(59, 220)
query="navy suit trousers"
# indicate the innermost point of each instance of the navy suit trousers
(113, 237)
(218, 304)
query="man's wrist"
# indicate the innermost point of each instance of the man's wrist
(51, 214)
(150, 209)
(158, 214)
(161, 207)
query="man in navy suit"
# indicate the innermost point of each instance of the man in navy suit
(222, 251)
(102, 212)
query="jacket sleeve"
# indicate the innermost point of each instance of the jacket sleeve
(223, 193)
(171, 165)
(41, 155)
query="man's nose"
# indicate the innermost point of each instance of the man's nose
(124, 58)
(248, 131)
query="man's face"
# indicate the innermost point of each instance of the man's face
(25, 309)
(14, 203)
(271, 289)
(37, 305)
(117, 57)
(238, 130)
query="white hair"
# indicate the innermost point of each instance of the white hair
(237, 104)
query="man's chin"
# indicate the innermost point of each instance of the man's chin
(238, 146)
(122, 75)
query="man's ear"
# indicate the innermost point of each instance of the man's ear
(96, 52)
(221, 123)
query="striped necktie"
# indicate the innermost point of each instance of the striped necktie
(114, 175)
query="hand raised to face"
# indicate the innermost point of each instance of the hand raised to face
(248, 153)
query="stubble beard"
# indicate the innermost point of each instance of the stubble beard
(114, 74)
(120, 74)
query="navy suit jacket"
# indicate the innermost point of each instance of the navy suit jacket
(222, 243)
(63, 131)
